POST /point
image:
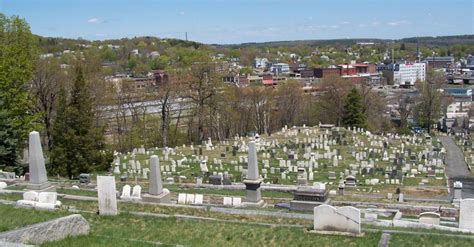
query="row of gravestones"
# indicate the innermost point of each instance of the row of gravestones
(134, 196)
(347, 219)
(39, 200)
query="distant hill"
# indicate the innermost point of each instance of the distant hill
(442, 40)
(438, 40)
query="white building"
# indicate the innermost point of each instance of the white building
(280, 68)
(406, 74)
(259, 63)
(458, 109)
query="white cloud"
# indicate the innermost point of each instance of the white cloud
(398, 23)
(181, 13)
(93, 20)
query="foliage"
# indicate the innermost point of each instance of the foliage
(16, 66)
(8, 143)
(354, 117)
(77, 143)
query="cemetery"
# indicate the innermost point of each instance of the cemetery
(299, 186)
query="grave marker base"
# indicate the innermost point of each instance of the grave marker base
(164, 197)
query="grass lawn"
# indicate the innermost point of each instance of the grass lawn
(113, 231)
(428, 240)
(131, 230)
(11, 217)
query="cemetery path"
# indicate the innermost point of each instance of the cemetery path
(456, 167)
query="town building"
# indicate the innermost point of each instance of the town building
(260, 63)
(280, 68)
(439, 62)
(405, 74)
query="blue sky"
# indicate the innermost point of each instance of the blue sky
(227, 21)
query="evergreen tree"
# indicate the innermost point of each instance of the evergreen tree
(353, 115)
(77, 142)
(17, 53)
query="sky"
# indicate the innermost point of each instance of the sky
(239, 21)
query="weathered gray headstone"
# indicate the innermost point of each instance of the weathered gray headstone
(38, 179)
(344, 219)
(429, 218)
(156, 193)
(107, 195)
(253, 180)
(466, 214)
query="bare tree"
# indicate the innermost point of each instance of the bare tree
(203, 84)
(45, 87)
(429, 101)
(334, 91)
(288, 102)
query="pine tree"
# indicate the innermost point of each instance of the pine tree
(58, 161)
(77, 142)
(354, 117)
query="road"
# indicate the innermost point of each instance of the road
(456, 167)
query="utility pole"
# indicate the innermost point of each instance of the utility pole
(186, 36)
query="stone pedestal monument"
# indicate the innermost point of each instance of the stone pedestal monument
(156, 193)
(457, 192)
(38, 180)
(253, 181)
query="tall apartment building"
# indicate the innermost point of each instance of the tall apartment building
(405, 74)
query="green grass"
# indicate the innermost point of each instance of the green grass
(111, 231)
(428, 240)
(77, 192)
(125, 207)
(10, 197)
(131, 230)
(12, 217)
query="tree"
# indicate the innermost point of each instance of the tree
(354, 117)
(200, 89)
(17, 53)
(45, 87)
(77, 143)
(332, 101)
(160, 62)
(402, 47)
(428, 108)
(288, 101)
(405, 109)
(8, 143)
(166, 94)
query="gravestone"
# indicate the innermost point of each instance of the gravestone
(236, 201)
(457, 190)
(107, 195)
(126, 192)
(198, 199)
(181, 198)
(466, 214)
(136, 193)
(344, 219)
(429, 218)
(38, 179)
(156, 193)
(253, 180)
(227, 201)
